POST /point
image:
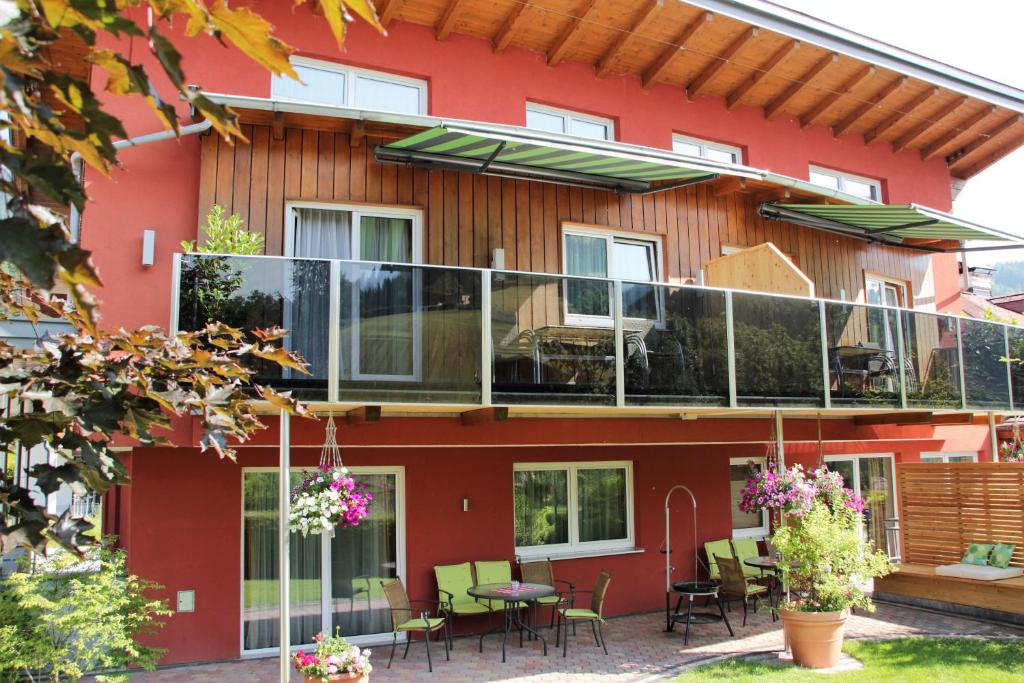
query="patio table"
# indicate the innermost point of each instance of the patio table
(511, 594)
(767, 563)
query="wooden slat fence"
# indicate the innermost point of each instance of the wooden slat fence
(945, 506)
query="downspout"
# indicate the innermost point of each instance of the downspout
(77, 163)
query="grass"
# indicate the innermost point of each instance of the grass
(909, 659)
(259, 592)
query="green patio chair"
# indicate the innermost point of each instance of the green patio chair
(494, 571)
(743, 550)
(712, 548)
(595, 615)
(405, 620)
(453, 582)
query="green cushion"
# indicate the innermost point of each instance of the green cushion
(977, 553)
(550, 600)
(470, 608)
(493, 571)
(580, 614)
(746, 548)
(429, 624)
(1000, 555)
(456, 579)
(717, 548)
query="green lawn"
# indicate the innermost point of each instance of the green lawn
(260, 592)
(904, 660)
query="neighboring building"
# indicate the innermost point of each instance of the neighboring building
(979, 280)
(544, 410)
(1011, 302)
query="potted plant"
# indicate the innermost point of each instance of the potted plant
(826, 561)
(334, 659)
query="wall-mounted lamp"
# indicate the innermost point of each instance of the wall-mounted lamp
(148, 247)
(465, 504)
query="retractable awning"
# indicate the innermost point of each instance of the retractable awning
(908, 225)
(537, 157)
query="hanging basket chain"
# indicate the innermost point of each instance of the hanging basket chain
(330, 454)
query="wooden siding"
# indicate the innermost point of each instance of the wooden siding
(466, 216)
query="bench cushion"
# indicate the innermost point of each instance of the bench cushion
(972, 571)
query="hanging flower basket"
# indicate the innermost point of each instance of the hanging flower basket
(1011, 451)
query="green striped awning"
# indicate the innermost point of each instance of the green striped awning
(890, 223)
(540, 156)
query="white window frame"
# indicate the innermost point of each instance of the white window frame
(351, 74)
(754, 531)
(610, 237)
(358, 211)
(943, 456)
(325, 560)
(568, 116)
(575, 546)
(841, 178)
(856, 473)
(705, 145)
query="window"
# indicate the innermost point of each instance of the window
(745, 524)
(715, 151)
(573, 507)
(949, 457)
(604, 254)
(344, 86)
(554, 120)
(883, 292)
(846, 182)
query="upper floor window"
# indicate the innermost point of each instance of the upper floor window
(846, 182)
(715, 151)
(346, 86)
(938, 456)
(540, 117)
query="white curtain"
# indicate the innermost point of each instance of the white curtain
(587, 256)
(323, 233)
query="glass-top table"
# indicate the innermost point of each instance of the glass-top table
(512, 594)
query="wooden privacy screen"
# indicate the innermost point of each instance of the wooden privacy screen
(945, 506)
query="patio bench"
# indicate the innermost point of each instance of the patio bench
(923, 583)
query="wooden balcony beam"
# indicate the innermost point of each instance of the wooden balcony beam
(719, 61)
(557, 52)
(962, 128)
(640, 24)
(730, 185)
(446, 24)
(389, 11)
(779, 103)
(815, 112)
(901, 143)
(480, 416)
(953, 419)
(656, 71)
(878, 100)
(983, 140)
(894, 418)
(905, 109)
(363, 414)
(980, 165)
(508, 30)
(733, 99)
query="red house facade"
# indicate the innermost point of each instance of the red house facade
(521, 250)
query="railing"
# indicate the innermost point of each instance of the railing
(419, 334)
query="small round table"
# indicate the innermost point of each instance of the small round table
(691, 590)
(524, 592)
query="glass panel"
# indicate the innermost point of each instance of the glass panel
(539, 358)
(635, 261)
(251, 292)
(542, 120)
(602, 504)
(845, 469)
(260, 611)
(985, 377)
(859, 188)
(722, 155)
(321, 86)
(932, 366)
(1016, 336)
(541, 507)
(876, 490)
(688, 148)
(960, 458)
(682, 359)
(385, 239)
(409, 333)
(931, 458)
(863, 359)
(384, 95)
(778, 351)
(824, 180)
(589, 129)
(587, 256)
(738, 475)
(362, 557)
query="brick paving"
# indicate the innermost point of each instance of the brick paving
(639, 650)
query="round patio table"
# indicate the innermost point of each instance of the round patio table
(511, 594)
(767, 563)
(690, 590)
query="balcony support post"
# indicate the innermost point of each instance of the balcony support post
(486, 377)
(172, 324)
(283, 555)
(334, 334)
(780, 444)
(901, 357)
(960, 352)
(730, 347)
(620, 358)
(826, 379)
(1009, 371)
(993, 438)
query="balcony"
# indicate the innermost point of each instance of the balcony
(381, 333)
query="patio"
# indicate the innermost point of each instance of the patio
(639, 650)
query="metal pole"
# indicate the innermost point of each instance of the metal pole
(780, 448)
(283, 554)
(993, 440)
(486, 379)
(730, 348)
(620, 353)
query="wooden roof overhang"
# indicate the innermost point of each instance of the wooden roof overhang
(756, 54)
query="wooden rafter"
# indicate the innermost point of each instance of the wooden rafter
(734, 98)
(719, 61)
(659, 66)
(507, 31)
(905, 109)
(831, 97)
(389, 11)
(962, 128)
(779, 103)
(447, 23)
(933, 120)
(730, 185)
(991, 158)
(643, 20)
(886, 91)
(983, 140)
(557, 52)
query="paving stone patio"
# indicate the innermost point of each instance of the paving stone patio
(639, 650)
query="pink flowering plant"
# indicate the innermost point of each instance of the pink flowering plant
(328, 497)
(333, 656)
(1011, 451)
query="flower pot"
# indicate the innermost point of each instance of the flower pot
(816, 638)
(354, 678)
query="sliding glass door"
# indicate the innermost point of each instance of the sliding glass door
(871, 476)
(335, 582)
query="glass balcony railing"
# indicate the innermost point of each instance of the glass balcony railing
(418, 334)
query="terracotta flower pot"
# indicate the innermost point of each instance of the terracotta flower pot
(816, 638)
(354, 678)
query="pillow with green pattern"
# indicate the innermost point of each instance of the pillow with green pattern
(1001, 554)
(977, 553)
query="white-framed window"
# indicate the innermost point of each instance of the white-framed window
(745, 524)
(635, 259)
(705, 149)
(869, 188)
(938, 456)
(577, 507)
(335, 581)
(541, 117)
(347, 86)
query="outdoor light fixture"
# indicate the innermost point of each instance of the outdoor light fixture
(465, 504)
(148, 247)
